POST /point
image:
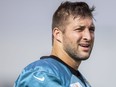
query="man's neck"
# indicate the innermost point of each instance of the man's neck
(65, 58)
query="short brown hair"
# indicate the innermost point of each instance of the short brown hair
(70, 8)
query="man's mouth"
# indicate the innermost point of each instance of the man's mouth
(85, 47)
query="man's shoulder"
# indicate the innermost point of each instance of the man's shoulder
(46, 68)
(45, 63)
(42, 62)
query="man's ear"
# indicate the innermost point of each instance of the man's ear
(57, 33)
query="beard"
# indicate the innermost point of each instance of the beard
(75, 52)
(76, 56)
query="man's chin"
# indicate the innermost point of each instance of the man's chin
(82, 57)
(85, 55)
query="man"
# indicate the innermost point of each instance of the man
(72, 42)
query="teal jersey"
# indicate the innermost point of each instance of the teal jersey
(50, 71)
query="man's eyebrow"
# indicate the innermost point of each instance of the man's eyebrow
(93, 26)
(82, 26)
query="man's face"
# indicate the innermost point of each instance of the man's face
(78, 38)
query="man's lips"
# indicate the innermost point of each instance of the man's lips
(86, 47)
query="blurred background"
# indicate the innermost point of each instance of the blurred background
(25, 36)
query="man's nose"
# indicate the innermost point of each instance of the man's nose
(87, 35)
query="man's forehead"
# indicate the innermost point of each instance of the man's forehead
(81, 20)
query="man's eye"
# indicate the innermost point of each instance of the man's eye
(92, 29)
(79, 29)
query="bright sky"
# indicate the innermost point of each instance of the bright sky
(25, 35)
